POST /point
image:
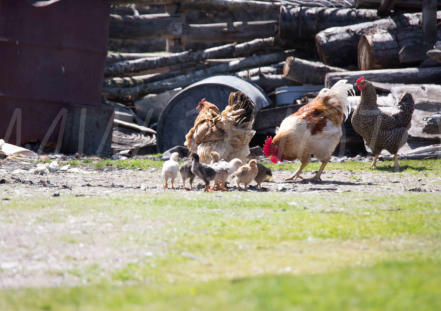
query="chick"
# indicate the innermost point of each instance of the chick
(170, 170)
(246, 173)
(222, 171)
(263, 174)
(202, 171)
(233, 165)
(185, 171)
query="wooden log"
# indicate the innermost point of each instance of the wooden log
(144, 26)
(144, 2)
(337, 46)
(305, 71)
(224, 51)
(412, 55)
(133, 93)
(423, 94)
(300, 23)
(435, 54)
(405, 5)
(210, 5)
(134, 126)
(174, 44)
(139, 80)
(136, 45)
(387, 49)
(196, 16)
(223, 32)
(231, 5)
(405, 75)
(429, 23)
(385, 7)
(114, 57)
(275, 69)
(269, 82)
(432, 124)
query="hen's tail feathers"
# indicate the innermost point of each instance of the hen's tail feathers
(406, 105)
(342, 89)
(239, 101)
(267, 146)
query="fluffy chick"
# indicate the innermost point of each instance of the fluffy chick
(222, 171)
(202, 171)
(170, 170)
(263, 174)
(233, 165)
(185, 171)
(245, 174)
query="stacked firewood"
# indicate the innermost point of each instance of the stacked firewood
(273, 44)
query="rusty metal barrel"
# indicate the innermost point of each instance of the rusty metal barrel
(178, 116)
(51, 71)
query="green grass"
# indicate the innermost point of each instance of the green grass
(407, 166)
(249, 251)
(414, 285)
(142, 164)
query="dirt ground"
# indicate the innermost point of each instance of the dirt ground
(18, 181)
(36, 250)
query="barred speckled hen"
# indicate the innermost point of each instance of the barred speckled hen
(379, 129)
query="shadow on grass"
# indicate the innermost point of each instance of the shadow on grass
(328, 182)
(403, 168)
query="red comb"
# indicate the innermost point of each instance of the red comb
(360, 79)
(267, 146)
(201, 101)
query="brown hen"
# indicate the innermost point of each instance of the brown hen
(228, 133)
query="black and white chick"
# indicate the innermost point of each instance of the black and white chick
(204, 172)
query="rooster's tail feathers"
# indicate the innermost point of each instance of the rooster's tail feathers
(342, 89)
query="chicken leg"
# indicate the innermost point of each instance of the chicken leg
(374, 161)
(298, 172)
(319, 172)
(396, 165)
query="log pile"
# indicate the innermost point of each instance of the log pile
(389, 42)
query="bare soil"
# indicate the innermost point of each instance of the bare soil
(18, 181)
